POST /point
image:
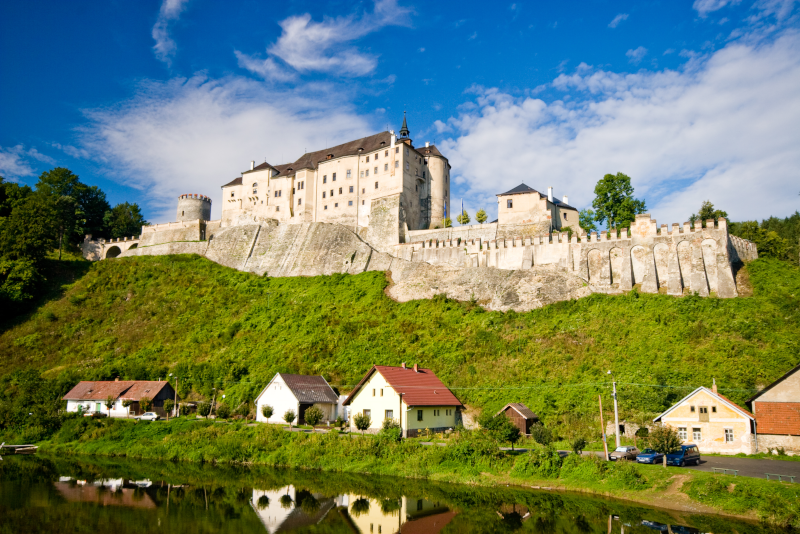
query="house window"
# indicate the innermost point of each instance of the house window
(691, 408)
(713, 409)
(682, 433)
(565, 218)
(368, 413)
(389, 414)
(351, 189)
(348, 173)
(419, 505)
(381, 392)
(396, 164)
(419, 415)
(373, 392)
(697, 434)
(325, 179)
(728, 435)
(509, 203)
(333, 177)
(376, 185)
(340, 190)
(349, 202)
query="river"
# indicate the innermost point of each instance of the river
(119, 496)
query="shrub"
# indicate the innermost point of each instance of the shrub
(185, 409)
(390, 433)
(267, 411)
(263, 502)
(223, 411)
(541, 462)
(390, 423)
(664, 439)
(145, 403)
(313, 416)
(204, 408)
(541, 434)
(626, 475)
(362, 421)
(577, 445)
(243, 409)
(499, 427)
(340, 422)
(289, 417)
(169, 405)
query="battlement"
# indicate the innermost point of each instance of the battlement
(196, 197)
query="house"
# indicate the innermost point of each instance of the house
(282, 510)
(712, 422)
(297, 393)
(415, 397)
(526, 205)
(520, 415)
(91, 396)
(777, 412)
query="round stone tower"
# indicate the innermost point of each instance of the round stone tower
(193, 207)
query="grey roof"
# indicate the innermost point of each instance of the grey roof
(309, 389)
(522, 189)
(235, 181)
(523, 410)
(430, 150)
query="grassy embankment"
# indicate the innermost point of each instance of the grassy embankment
(470, 458)
(143, 318)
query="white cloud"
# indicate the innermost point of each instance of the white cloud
(165, 47)
(635, 56)
(704, 7)
(16, 161)
(309, 46)
(194, 135)
(619, 18)
(723, 128)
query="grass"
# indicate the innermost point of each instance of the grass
(471, 458)
(214, 327)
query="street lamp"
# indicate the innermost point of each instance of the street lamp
(616, 410)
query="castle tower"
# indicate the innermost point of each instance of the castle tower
(404, 133)
(193, 207)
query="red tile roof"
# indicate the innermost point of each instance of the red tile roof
(419, 388)
(125, 389)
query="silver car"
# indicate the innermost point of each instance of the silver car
(148, 416)
(623, 453)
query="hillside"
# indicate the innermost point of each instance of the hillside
(212, 326)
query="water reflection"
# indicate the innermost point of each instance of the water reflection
(133, 497)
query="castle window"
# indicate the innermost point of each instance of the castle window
(406, 165)
(323, 194)
(397, 150)
(367, 172)
(362, 174)
(231, 194)
(349, 202)
(255, 185)
(333, 177)
(423, 174)
(410, 204)
(340, 190)
(351, 189)
(416, 187)
(565, 216)
(363, 202)
(348, 173)
(363, 190)
(509, 203)
(182, 213)
(325, 179)
(336, 205)
(386, 153)
(396, 164)
(385, 167)
(376, 170)
(376, 185)
(406, 150)
(367, 159)
(299, 201)
(376, 155)
(277, 208)
(331, 192)
(326, 207)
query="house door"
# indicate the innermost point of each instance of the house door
(99, 407)
(704, 414)
(301, 417)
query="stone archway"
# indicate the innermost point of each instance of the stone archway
(113, 252)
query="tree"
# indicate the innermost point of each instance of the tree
(707, 212)
(185, 409)
(109, 404)
(266, 411)
(586, 219)
(124, 220)
(614, 203)
(463, 218)
(362, 421)
(145, 403)
(508, 433)
(93, 205)
(577, 445)
(204, 408)
(126, 403)
(448, 222)
(664, 439)
(64, 188)
(169, 405)
(313, 416)
(19, 280)
(30, 230)
(541, 434)
(481, 216)
(223, 411)
(499, 427)
(289, 417)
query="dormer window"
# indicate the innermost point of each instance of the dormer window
(367, 159)
(509, 203)
(329, 156)
(255, 185)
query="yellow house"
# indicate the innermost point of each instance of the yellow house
(414, 397)
(712, 422)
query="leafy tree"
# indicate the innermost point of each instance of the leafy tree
(481, 216)
(586, 220)
(145, 403)
(185, 409)
(577, 445)
(707, 212)
(463, 218)
(664, 439)
(126, 403)
(93, 205)
(11, 194)
(124, 220)
(508, 433)
(614, 203)
(286, 502)
(223, 411)
(362, 421)
(263, 502)
(360, 507)
(289, 417)
(169, 405)
(313, 416)
(448, 222)
(64, 188)
(499, 427)
(204, 408)
(30, 231)
(541, 434)
(109, 404)
(390, 423)
(19, 280)
(266, 411)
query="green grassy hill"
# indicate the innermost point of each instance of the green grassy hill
(146, 317)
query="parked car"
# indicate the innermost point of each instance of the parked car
(623, 453)
(649, 456)
(148, 416)
(95, 415)
(689, 454)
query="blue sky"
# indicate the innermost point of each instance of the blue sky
(694, 100)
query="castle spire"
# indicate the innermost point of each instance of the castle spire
(404, 129)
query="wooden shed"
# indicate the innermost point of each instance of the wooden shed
(520, 415)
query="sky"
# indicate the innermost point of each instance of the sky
(694, 100)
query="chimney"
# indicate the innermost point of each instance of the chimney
(566, 200)
(394, 137)
(714, 385)
(416, 368)
(550, 193)
(404, 365)
(252, 165)
(427, 144)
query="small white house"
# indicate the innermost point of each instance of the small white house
(297, 393)
(91, 396)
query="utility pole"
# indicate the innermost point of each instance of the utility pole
(616, 409)
(603, 426)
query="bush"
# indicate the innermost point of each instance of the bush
(625, 475)
(223, 411)
(541, 462)
(243, 409)
(185, 409)
(362, 421)
(204, 408)
(267, 411)
(664, 439)
(340, 422)
(541, 435)
(390, 423)
(289, 417)
(169, 405)
(577, 445)
(313, 416)
(390, 434)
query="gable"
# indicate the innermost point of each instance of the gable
(283, 388)
(784, 389)
(725, 409)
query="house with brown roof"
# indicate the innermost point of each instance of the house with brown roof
(90, 396)
(519, 414)
(297, 393)
(712, 422)
(777, 412)
(413, 396)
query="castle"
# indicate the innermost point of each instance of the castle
(379, 204)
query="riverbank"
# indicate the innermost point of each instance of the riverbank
(471, 458)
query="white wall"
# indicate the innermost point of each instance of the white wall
(278, 395)
(118, 410)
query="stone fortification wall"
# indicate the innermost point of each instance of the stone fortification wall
(173, 231)
(386, 223)
(742, 250)
(192, 207)
(481, 232)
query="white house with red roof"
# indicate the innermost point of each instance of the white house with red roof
(413, 396)
(91, 396)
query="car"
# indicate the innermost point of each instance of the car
(148, 416)
(688, 454)
(626, 452)
(649, 456)
(95, 415)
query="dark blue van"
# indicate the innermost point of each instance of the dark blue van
(689, 454)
